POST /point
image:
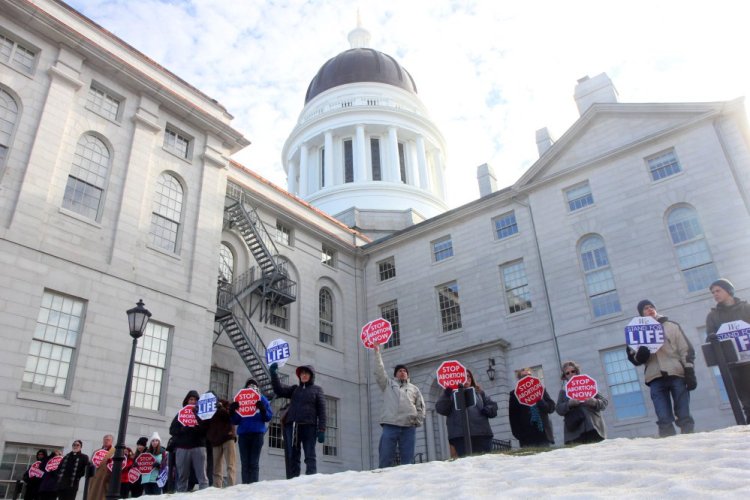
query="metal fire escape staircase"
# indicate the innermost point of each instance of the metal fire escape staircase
(259, 290)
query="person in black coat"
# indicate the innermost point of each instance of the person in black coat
(190, 447)
(71, 470)
(530, 424)
(32, 483)
(304, 421)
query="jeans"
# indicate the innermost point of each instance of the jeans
(251, 444)
(226, 450)
(664, 388)
(297, 438)
(479, 444)
(394, 436)
(187, 458)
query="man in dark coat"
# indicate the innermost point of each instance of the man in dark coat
(304, 421)
(190, 447)
(71, 470)
(530, 424)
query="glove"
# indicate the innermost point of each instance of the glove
(234, 406)
(485, 411)
(448, 391)
(321, 436)
(274, 368)
(690, 381)
(642, 355)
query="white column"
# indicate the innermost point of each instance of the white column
(424, 180)
(440, 172)
(329, 180)
(291, 180)
(360, 155)
(393, 166)
(412, 174)
(303, 171)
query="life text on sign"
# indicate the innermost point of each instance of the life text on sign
(644, 331)
(739, 333)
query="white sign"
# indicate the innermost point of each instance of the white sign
(163, 477)
(206, 405)
(278, 352)
(646, 331)
(739, 332)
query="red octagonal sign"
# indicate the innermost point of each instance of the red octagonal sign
(187, 417)
(247, 398)
(581, 387)
(529, 390)
(376, 332)
(450, 374)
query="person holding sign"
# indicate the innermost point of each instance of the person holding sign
(33, 478)
(583, 419)
(149, 478)
(668, 372)
(479, 415)
(251, 430)
(189, 433)
(48, 486)
(403, 411)
(99, 484)
(530, 423)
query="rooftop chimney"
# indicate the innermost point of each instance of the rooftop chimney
(486, 180)
(543, 140)
(593, 90)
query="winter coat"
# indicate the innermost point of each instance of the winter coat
(71, 470)
(307, 403)
(530, 424)
(721, 314)
(592, 416)
(161, 461)
(403, 404)
(188, 437)
(220, 428)
(32, 483)
(99, 484)
(256, 423)
(672, 357)
(49, 479)
(479, 415)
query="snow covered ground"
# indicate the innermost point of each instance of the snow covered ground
(703, 465)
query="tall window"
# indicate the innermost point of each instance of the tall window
(221, 383)
(516, 286)
(386, 269)
(328, 256)
(505, 225)
(150, 364)
(442, 249)
(322, 167)
(16, 54)
(693, 255)
(53, 346)
(275, 432)
(103, 102)
(599, 280)
(624, 386)
(450, 308)
(177, 142)
(375, 155)
(167, 212)
(16, 459)
(330, 446)
(8, 118)
(389, 311)
(226, 263)
(348, 161)
(283, 234)
(88, 176)
(663, 165)
(278, 315)
(325, 315)
(579, 197)
(402, 161)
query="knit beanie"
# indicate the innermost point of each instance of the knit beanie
(398, 367)
(142, 441)
(642, 305)
(725, 284)
(155, 436)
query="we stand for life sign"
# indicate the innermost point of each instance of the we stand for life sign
(644, 331)
(739, 332)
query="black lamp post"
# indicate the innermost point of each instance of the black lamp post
(137, 320)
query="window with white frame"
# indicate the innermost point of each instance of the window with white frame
(375, 157)
(693, 255)
(348, 161)
(8, 119)
(16, 459)
(16, 54)
(221, 383)
(103, 102)
(283, 233)
(325, 316)
(624, 386)
(386, 269)
(150, 365)
(600, 283)
(389, 311)
(516, 286)
(177, 142)
(275, 432)
(226, 263)
(579, 197)
(449, 306)
(167, 213)
(278, 315)
(442, 249)
(505, 225)
(84, 191)
(663, 165)
(53, 346)
(402, 162)
(328, 256)
(331, 443)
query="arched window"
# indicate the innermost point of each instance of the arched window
(325, 313)
(8, 118)
(84, 191)
(692, 250)
(599, 280)
(167, 213)
(226, 263)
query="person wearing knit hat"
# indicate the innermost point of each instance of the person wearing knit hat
(149, 480)
(669, 373)
(189, 439)
(251, 431)
(730, 308)
(403, 411)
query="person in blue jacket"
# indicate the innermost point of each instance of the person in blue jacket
(250, 433)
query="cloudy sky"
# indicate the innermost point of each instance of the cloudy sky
(490, 72)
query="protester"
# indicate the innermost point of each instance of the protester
(149, 479)
(222, 438)
(190, 447)
(730, 308)
(669, 373)
(136, 488)
(480, 431)
(127, 464)
(305, 419)
(32, 482)
(48, 485)
(99, 484)
(71, 470)
(583, 419)
(251, 431)
(531, 424)
(403, 411)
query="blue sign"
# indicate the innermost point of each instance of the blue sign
(278, 352)
(644, 331)
(163, 475)
(206, 406)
